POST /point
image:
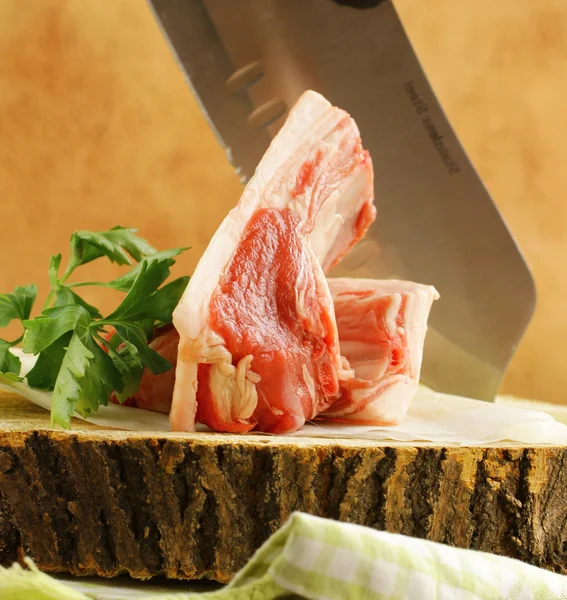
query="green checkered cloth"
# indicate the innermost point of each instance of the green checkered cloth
(319, 559)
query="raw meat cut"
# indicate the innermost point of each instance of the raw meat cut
(382, 326)
(258, 339)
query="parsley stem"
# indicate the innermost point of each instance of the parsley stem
(108, 345)
(17, 341)
(85, 283)
(104, 342)
(70, 268)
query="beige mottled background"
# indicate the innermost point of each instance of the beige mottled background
(98, 128)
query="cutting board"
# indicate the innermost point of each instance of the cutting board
(103, 501)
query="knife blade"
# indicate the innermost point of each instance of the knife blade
(248, 62)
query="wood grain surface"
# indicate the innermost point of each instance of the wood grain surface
(97, 128)
(93, 501)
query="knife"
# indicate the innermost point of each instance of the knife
(249, 61)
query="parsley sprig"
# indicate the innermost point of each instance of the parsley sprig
(81, 355)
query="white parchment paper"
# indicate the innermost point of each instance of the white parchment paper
(432, 417)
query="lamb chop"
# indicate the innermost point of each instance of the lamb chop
(258, 339)
(382, 326)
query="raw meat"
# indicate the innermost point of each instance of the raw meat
(382, 326)
(258, 339)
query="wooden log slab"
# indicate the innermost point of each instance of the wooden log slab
(105, 502)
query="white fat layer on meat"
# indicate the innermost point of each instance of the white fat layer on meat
(326, 305)
(371, 370)
(377, 395)
(392, 314)
(310, 384)
(370, 364)
(300, 289)
(345, 372)
(340, 212)
(184, 402)
(234, 388)
(391, 399)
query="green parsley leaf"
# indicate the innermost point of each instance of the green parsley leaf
(102, 378)
(42, 331)
(129, 332)
(124, 283)
(44, 373)
(148, 326)
(86, 246)
(64, 296)
(17, 304)
(127, 361)
(70, 381)
(151, 275)
(53, 270)
(10, 378)
(161, 304)
(9, 363)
